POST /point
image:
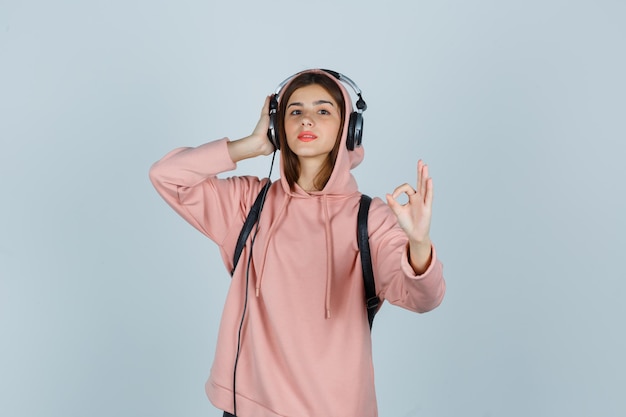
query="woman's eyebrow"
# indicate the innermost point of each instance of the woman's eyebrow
(315, 103)
(318, 102)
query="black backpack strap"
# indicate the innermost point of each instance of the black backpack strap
(372, 301)
(251, 220)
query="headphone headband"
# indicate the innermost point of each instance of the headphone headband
(345, 79)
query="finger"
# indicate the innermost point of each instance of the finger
(403, 189)
(420, 163)
(266, 106)
(430, 191)
(424, 178)
(393, 204)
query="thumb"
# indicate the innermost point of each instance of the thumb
(393, 204)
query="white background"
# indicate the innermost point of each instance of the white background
(109, 302)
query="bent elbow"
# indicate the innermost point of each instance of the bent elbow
(155, 173)
(434, 300)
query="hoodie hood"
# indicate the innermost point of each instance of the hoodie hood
(340, 186)
(341, 181)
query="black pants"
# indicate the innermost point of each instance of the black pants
(227, 414)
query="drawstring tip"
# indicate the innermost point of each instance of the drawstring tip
(328, 313)
(258, 291)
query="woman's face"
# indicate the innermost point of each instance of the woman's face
(312, 122)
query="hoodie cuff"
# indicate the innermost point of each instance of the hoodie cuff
(216, 152)
(408, 269)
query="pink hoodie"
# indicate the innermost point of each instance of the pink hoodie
(306, 347)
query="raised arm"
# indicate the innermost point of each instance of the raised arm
(187, 180)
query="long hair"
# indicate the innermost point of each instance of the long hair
(291, 164)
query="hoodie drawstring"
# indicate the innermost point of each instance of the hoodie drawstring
(329, 252)
(270, 232)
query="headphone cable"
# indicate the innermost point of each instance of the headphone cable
(245, 304)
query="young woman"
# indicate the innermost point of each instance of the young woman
(294, 339)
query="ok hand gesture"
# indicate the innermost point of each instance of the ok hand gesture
(415, 215)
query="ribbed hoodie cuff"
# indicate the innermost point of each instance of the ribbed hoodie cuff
(408, 269)
(216, 152)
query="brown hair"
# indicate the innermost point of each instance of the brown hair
(291, 164)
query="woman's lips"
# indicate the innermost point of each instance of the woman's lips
(307, 136)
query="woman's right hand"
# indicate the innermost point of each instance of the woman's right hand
(260, 131)
(257, 143)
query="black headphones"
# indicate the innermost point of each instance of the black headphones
(355, 124)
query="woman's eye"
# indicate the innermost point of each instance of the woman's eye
(295, 112)
(324, 111)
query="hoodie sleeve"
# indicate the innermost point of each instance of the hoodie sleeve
(395, 279)
(187, 180)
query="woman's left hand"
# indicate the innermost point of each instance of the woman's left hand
(415, 215)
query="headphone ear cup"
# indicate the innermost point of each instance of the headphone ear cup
(355, 131)
(272, 131)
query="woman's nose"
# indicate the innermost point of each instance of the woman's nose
(306, 121)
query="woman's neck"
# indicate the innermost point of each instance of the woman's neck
(308, 171)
